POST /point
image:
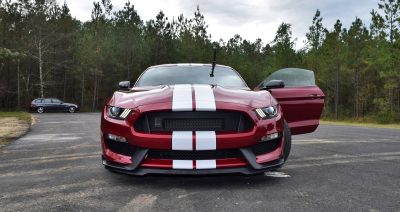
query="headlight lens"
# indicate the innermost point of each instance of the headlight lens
(117, 113)
(113, 112)
(267, 112)
(271, 111)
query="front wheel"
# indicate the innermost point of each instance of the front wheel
(40, 109)
(71, 109)
(288, 141)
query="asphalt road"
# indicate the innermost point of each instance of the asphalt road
(57, 167)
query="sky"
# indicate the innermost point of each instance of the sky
(251, 19)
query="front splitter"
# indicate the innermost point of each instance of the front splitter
(145, 171)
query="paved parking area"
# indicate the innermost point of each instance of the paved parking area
(57, 167)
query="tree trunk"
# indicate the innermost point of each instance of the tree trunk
(18, 87)
(82, 89)
(28, 92)
(41, 70)
(94, 91)
(356, 93)
(391, 100)
(157, 52)
(398, 100)
(129, 71)
(337, 91)
(65, 84)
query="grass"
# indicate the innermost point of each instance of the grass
(360, 123)
(24, 116)
(13, 129)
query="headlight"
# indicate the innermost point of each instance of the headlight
(117, 113)
(267, 112)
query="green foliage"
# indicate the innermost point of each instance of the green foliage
(43, 48)
(315, 37)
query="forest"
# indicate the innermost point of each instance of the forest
(45, 52)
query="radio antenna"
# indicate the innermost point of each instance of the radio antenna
(214, 61)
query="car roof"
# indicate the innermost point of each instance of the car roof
(47, 98)
(188, 64)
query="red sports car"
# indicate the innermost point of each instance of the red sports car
(180, 119)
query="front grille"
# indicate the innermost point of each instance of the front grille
(221, 121)
(195, 155)
(193, 123)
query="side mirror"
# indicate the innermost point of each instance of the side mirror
(273, 84)
(124, 85)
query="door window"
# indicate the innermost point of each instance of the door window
(301, 100)
(293, 77)
(47, 101)
(56, 101)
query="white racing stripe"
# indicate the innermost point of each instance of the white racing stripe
(182, 98)
(182, 164)
(206, 140)
(182, 140)
(204, 97)
(206, 164)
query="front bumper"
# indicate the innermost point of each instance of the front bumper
(248, 160)
(136, 158)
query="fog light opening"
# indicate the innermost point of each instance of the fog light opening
(269, 137)
(116, 137)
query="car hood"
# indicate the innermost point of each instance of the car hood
(139, 96)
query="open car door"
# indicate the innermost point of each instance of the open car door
(301, 100)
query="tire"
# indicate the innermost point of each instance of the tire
(71, 109)
(40, 109)
(288, 141)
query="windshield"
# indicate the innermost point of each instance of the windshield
(171, 75)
